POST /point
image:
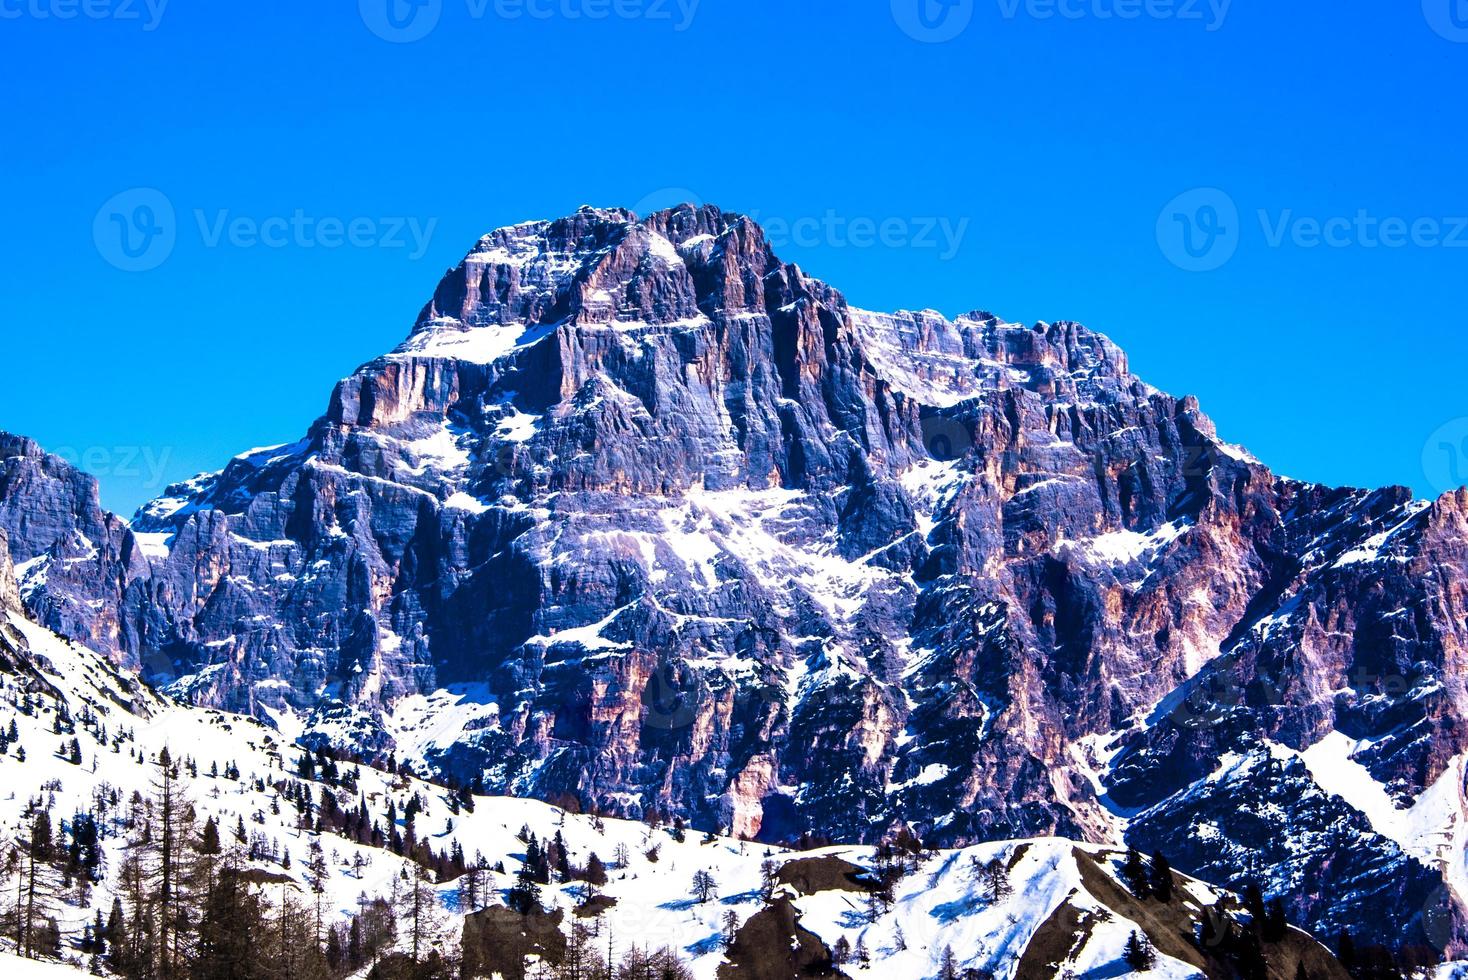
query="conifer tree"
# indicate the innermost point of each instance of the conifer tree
(37, 886)
(417, 911)
(317, 876)
(704, 886)
(1161, 878)
(596, 872)
(524, 896)
(1138, 953)
(948, 967)
(1134, 872)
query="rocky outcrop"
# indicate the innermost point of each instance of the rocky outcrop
(76, 563)
(9, 589)
(642, 515)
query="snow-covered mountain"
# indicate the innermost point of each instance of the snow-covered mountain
(1035, 908)
(643, 517)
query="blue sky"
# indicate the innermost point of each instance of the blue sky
(1258, 201)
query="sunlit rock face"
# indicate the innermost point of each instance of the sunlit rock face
(642, 516)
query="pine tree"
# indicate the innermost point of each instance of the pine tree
(1346, 951)
(1276, 923)
(582, 959)
(1138, 953)
(661, 964)
(231, 927)
(1161, 879)
(948, 968)
(562, 861)
(524, 896)
(704, 886)
(317, 876)
(596, 872)
(116, 937)
(878, 901)
(471, 886)
(769, 877)
(1134, 872)
(164, 860)
(841, 952)
(37, 886)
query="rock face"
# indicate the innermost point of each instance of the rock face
(641, 515)
(9, 589)
(77, 563)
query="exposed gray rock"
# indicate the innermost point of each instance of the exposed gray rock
(9, 589)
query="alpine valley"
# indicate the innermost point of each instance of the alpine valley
(641, 523)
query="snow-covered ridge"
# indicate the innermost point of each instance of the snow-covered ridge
(942, 903)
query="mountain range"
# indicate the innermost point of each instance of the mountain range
(642, 518)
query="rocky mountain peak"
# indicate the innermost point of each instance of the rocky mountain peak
(642, 515)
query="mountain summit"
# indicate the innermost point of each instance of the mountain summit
(643, 517)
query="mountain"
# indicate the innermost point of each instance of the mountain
(1020, 909)
(640, 516)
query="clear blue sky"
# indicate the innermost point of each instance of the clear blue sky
(1059, 131)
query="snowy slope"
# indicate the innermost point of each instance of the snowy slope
(945, 900)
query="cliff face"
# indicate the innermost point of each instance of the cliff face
(641, 515)
(77, 562)
(9, 589)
